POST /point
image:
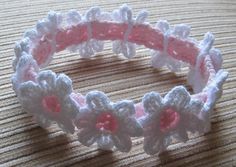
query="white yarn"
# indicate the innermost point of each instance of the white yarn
(123, 112)
(25, 61)
(32, 34)
(194, 72)
(20, 48)
(162, 58)
(50, 25)
(214, 92)
(182, 31)
(181, 102)
(165, 40)
(205, 46)
(73, 18)
(91, 15)
(124, 15)
(30, 95)
(216, 58)
(92, 46)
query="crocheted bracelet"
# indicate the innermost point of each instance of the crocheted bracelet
(50, 97)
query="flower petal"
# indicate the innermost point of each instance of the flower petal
(124, 108)
(149, 125)
(195, 106)
(166, 142)
(42, 121)
(152, 144)
(29, 91)
(26, 70)
(163, 26)
(105, 142)
(85, 119)
(193, 123)
(181, 31)
(181, 134)
(70, 108)
(116, 47)
(152, 102)
(132, 127)
(172, 64)
(122, 142)
(159, 59)
(85, 50)
(141, 17)
(87, 136)
(73, 18)
(128, 49)
(46, 80)
(98, 101)
(65, 124)
(178, 97)
(30, 97)
(63, 85)
(97, 45)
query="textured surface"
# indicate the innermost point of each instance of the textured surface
(23, 143)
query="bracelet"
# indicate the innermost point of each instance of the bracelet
(50, 98)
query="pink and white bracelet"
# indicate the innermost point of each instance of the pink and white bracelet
(50, 97)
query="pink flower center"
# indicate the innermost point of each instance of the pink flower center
(169, 119)
(51, 104)
(106, 121)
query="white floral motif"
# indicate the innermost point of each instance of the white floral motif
(45, 33)
(90, 47)
(168, 117)
(108, 124)
(50, 25)
(46, 26)
(214, 92)
(26, 69)
(194, 72)
(21, 47)
(160, 59)
(124, 14)
(48, 100)
(73, 18)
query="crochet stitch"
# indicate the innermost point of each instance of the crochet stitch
(50, 98)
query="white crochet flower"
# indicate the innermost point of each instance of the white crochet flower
(168, 117)
(90, 47)
(21, 47)
(194, 73)
(160, 59)
(50, 25)
(181, 31)
(44, 35)
(215, 88)
(214, 92)
(73, 18)
(26, 70)
(49, 100)
(124, 15)
(108, 124)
